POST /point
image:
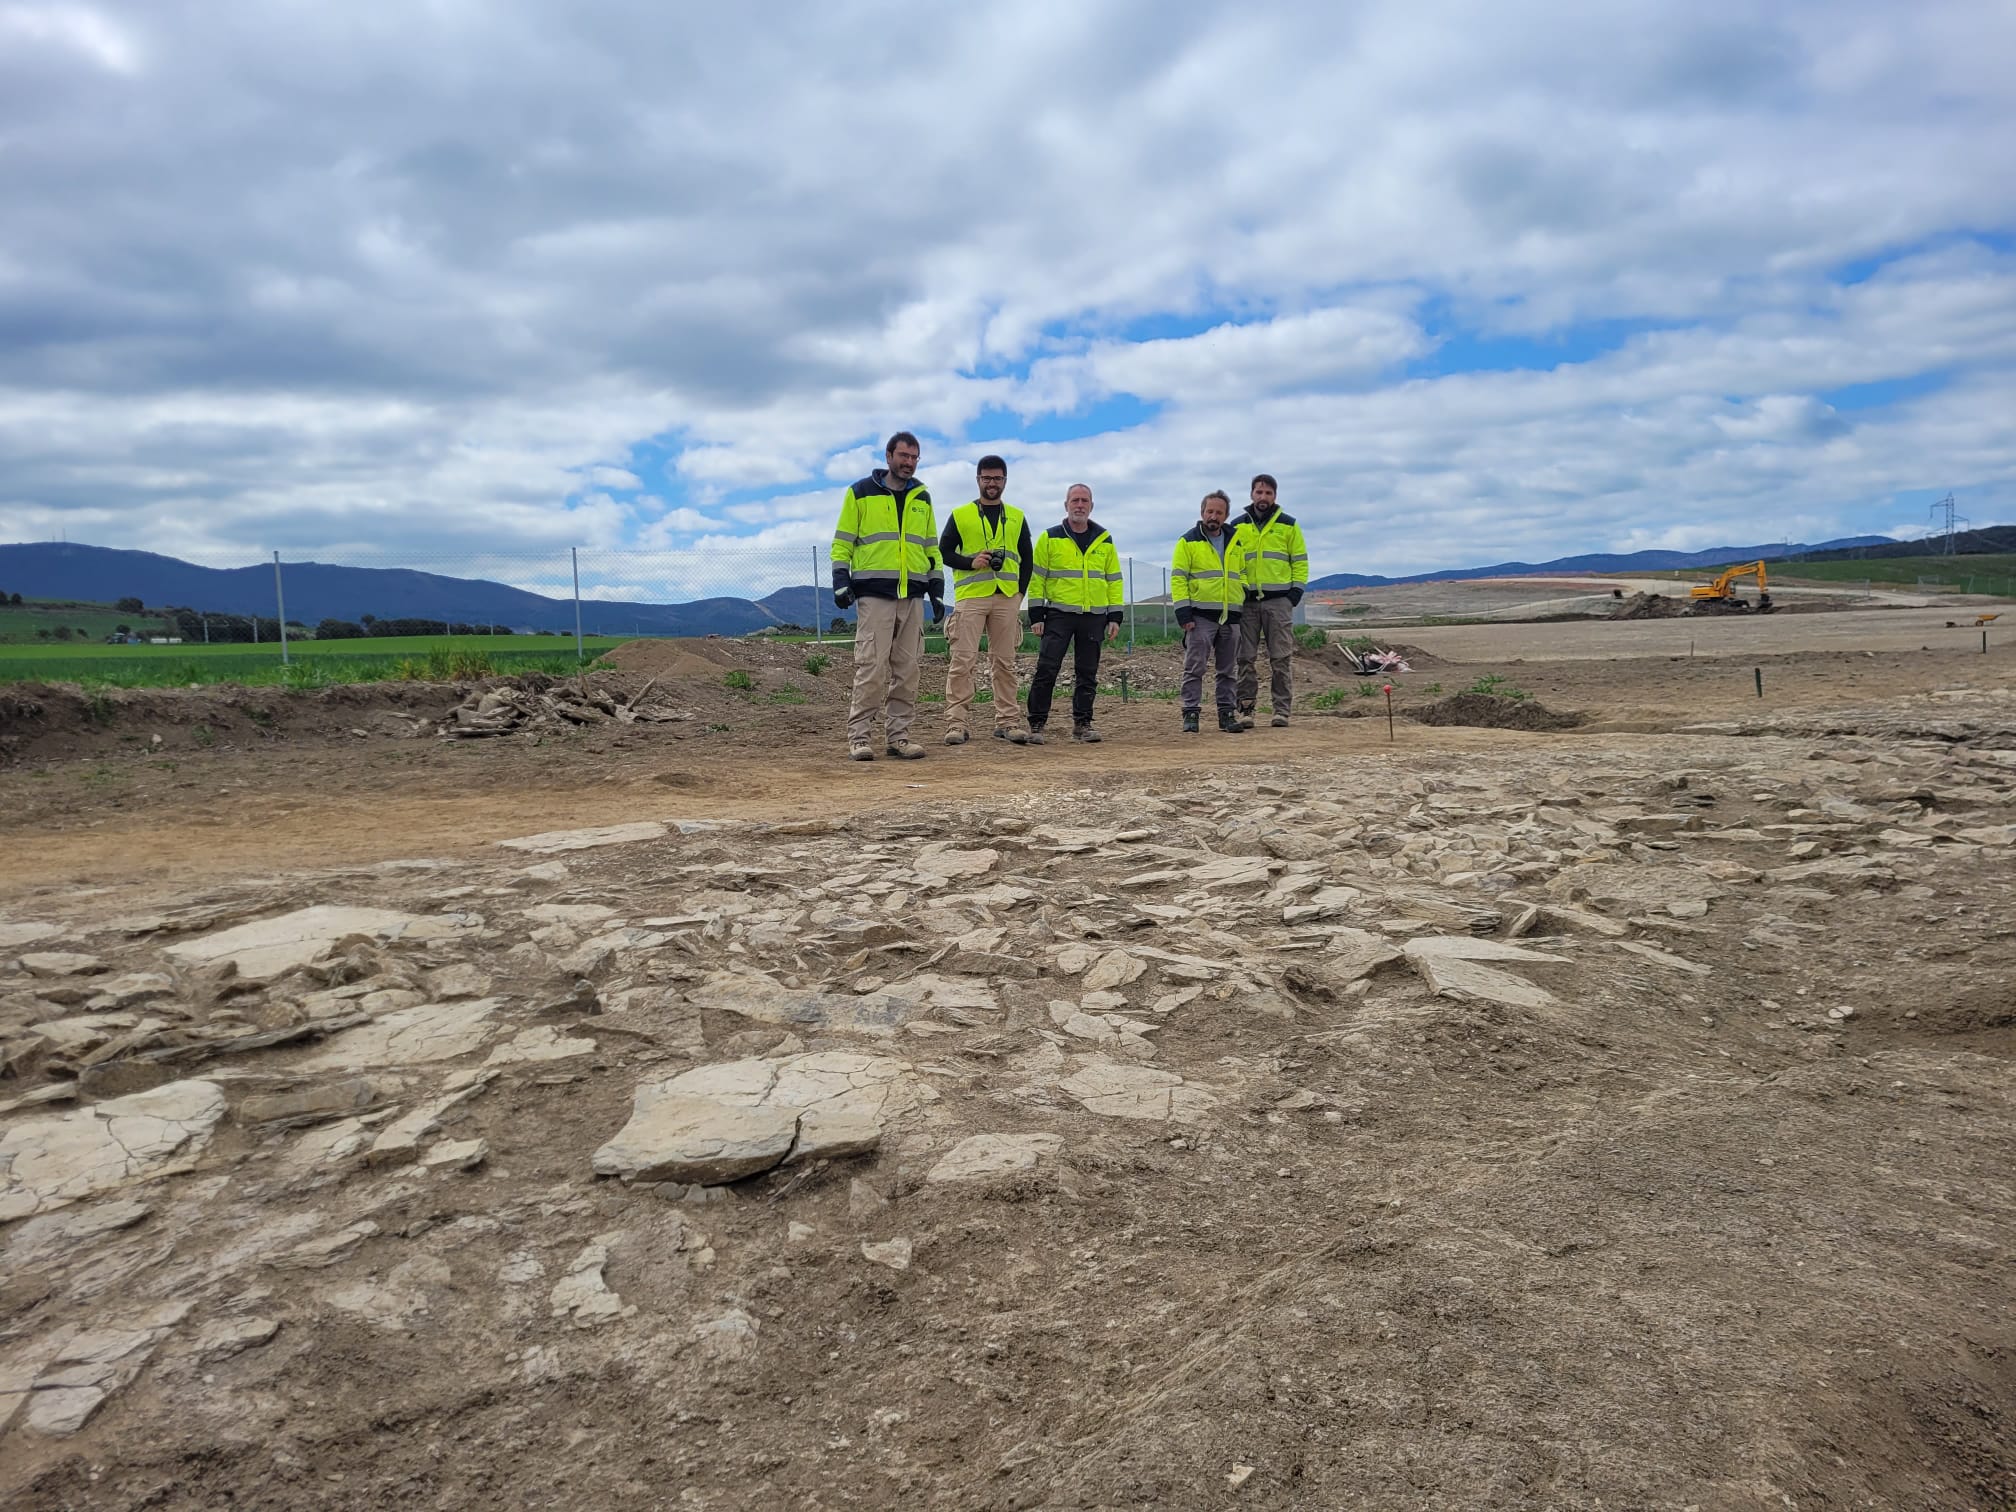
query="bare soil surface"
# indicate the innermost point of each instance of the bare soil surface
(1173, 1148)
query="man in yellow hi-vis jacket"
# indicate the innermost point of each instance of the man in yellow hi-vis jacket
(885, 564)
(1208, 583)
(986, 544)
(1075, 594)
(1281, 576)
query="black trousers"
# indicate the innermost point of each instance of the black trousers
(1083, 635)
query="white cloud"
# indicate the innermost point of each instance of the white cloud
(282, 278)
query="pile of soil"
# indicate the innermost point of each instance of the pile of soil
(1643, 606)
(1488, 711)
(1335, 658)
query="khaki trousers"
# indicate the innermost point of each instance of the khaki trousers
(998, 616)
(1270, 622)
(888, 649)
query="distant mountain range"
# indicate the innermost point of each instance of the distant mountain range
(103, 574)
(1635, 561)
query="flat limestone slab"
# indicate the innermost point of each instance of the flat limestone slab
(1117, 1090)
(1452, 976)
(49, 1163)
(267, 947)
(730, 1120)
(983, 1157)
(1469, 948)
(408, 1037)
(555, 841)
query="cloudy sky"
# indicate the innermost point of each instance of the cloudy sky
(424, 280)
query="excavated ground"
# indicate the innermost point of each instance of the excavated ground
(1617, 1117)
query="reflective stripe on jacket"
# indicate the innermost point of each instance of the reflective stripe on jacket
(1204, 585)
(1004, 541)
(1280, 554)
(883, 549)
(1076, 574)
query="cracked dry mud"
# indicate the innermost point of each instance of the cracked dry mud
(1568, 1121)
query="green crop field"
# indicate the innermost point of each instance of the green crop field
(314, 664)
(88, 622)
(1989, 572)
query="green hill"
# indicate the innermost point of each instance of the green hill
(20, 623)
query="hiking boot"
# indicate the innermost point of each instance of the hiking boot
(1085, 733)
(1231, 723)
(1279, 721)
(1245, 719)
(1014, 736)
(955, 737)
(906, 749)
(1035, 736)
(860, 750)
(1189, 721)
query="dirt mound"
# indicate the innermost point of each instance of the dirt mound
(47, 721)
(1336, 658)
(1490, 711)
(674, 658)
(1643, 606)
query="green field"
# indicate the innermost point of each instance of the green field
(90, 622)
(1989, 572)
(315, 664)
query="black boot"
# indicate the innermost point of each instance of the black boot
(1230, 722)
(1189, 721)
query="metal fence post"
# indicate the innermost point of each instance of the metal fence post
(1165, 603)
(279, 603)
(818, 604)
(574, 552)
(1133, 606)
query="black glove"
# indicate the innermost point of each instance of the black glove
(937, 611)
(843, 598)
(1295, 596)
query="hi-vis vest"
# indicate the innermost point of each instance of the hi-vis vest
(1004, 542)
(1203, 586)
(1074, 574)
(888, 551)
(1280, 554)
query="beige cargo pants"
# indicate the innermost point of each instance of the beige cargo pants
(888, 649)
(998, 617)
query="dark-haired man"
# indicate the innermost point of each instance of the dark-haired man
(1208, 579)
(1281, 572)
(986, 544)
(1075, 594)
(885, 564)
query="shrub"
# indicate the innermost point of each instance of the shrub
(817, 662)
(1329, 698)
(739, 680)
(1310, 638)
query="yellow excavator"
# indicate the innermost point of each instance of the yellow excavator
(1721, 595)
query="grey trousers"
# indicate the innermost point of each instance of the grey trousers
(1203, 642)
(1271, 620)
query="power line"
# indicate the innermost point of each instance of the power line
(1947, 506)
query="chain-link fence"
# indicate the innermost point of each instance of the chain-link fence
(516, 609)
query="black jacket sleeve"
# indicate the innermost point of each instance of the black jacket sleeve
(1028, 549)
(948, 548)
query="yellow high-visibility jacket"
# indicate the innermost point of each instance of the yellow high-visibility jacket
(1281, 555)
(1076, 574)
(886, 547)
(1203, 585)
(1006, 539)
